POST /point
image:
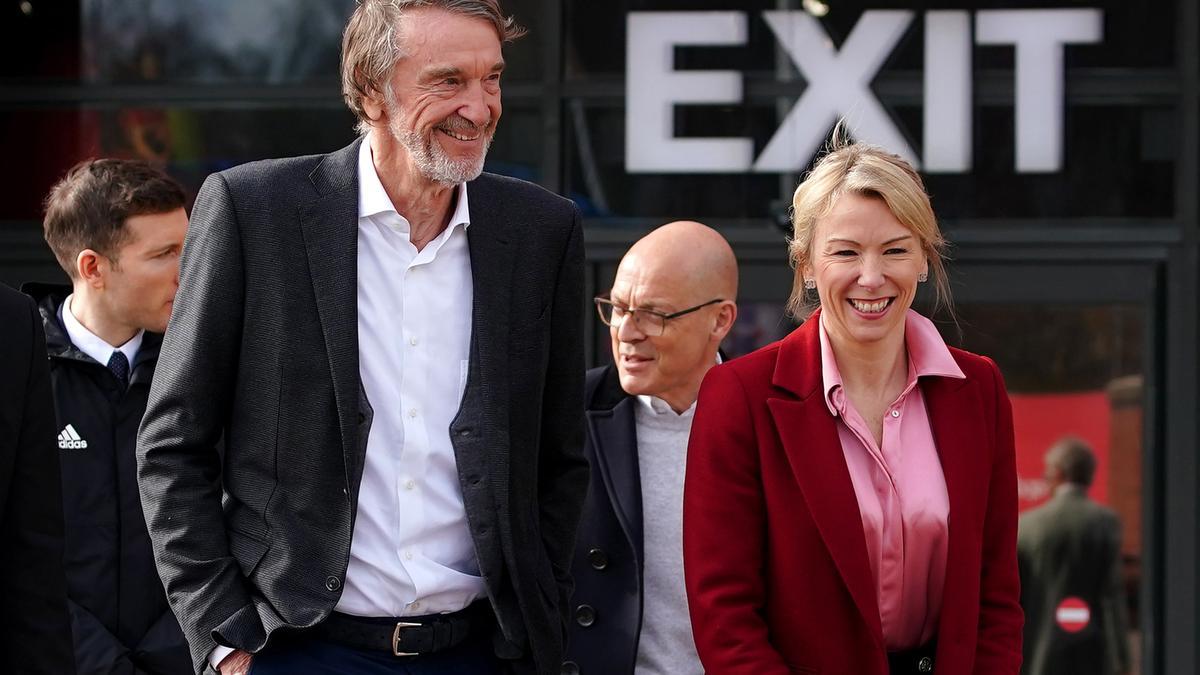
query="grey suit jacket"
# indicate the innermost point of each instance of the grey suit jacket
(1071, 547)
(262, 357)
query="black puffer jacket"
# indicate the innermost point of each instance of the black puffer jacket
(119, 613)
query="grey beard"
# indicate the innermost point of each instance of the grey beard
(433, 162)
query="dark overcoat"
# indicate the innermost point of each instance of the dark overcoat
(607, 606)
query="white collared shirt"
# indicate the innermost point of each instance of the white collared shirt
(412, 551)
(658, 406)
(93, 345)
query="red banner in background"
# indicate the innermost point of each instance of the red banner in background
(1039, 420)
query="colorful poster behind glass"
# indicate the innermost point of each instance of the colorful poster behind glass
(1041, 419)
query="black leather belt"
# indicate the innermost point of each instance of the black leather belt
(407, 635)
(917, 661)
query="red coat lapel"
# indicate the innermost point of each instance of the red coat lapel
(810, 440)
(959, 428)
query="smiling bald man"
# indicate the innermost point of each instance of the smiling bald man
(671, 305)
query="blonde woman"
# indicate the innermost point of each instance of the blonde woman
(850, 503)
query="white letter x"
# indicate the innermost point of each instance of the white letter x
(839, 84)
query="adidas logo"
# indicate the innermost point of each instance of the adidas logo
(68, 439)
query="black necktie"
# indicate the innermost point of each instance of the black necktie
(119, 365)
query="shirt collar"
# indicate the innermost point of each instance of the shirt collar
(657, 406)
(373, 199)
(1065, 489)
(928, 356)
(91, 344)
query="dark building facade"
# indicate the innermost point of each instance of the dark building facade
(1060, 142)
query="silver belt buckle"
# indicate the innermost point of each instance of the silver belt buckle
(396, 638)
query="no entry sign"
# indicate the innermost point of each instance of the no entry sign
(1072, 615)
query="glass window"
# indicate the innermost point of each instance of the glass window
(191, 143)
(40, 41)
(517, 146)
(1118, 162)
(598, 181)
(276, 42)
(1073, 370)
(1135, 35)
(267, 41)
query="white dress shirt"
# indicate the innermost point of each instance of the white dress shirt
(412, 551)
(94, 346)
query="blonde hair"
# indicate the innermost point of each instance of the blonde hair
(856, 168)
(371, 43)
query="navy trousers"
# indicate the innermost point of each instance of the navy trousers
(319, 657)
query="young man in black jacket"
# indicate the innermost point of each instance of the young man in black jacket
(117, 228)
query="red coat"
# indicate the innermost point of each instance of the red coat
(775, 558)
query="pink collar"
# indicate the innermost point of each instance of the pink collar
(928, 356)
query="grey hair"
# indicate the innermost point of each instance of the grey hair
(371, 43)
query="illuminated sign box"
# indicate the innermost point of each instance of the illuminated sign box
(839, 86)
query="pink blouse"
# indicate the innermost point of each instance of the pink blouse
(900, 488)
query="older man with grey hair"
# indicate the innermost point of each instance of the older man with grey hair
(389, 345)
(1070, 558)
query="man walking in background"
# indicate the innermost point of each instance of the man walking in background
(35, 627)
(390, 345)
(1069, 550)
(672, 303)
(117, 229)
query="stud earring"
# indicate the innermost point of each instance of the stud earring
(810, 285)
(923, 277)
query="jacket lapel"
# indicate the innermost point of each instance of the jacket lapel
(810, 440)
(613, 434)
(956, 417)
(491, 290)
(330, 230)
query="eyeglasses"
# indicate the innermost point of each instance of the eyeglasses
(648, 321)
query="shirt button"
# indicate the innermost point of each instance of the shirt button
(412, 341)
(408, 485)
(895, 413)
(408, 555)
(412, 412)
(416, 605)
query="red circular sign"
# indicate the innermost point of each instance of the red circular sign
(1072, 615)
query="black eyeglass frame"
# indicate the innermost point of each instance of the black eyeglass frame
(602, 301)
